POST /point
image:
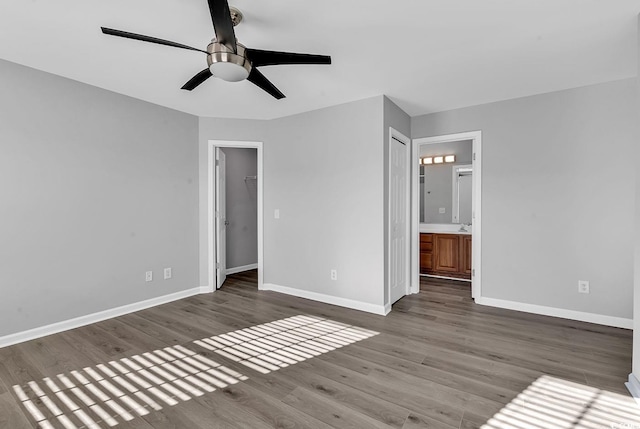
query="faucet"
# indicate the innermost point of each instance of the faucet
(464, 226)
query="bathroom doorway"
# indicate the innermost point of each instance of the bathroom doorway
(440, 220)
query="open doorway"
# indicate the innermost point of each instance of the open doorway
(236, 211)
(446, 229)
(235, 214)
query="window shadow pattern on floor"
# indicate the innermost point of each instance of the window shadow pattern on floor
(553, 403)
(274, 345)
(108, 394)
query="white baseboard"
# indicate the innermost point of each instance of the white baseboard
(207, 289)
(600, 319)
(387, 309)
(633, 386)
(77, 322)
(236, 270)
(327, 299)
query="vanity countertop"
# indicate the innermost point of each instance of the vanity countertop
(444, 228)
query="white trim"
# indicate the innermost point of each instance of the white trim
(211, 166)
(445, 277)
(415, 218)
(88, 319)
(476, 244)
(393, 133)
(220, 212)
(242, 268)
(327, 299)
(211, 257)
(600, 319)
(387, 308)
(633, 386)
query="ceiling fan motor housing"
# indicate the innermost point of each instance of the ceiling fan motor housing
(226, 64)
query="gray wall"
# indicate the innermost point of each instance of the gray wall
(323, 172)
(397, 119)
(437, 187)
(96, 189)
(558, 176)
(242, 206)
(219, 129)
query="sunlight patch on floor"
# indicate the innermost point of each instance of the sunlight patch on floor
(274, 345)
(107, 394)
(553, 403)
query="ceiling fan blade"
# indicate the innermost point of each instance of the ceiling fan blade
(222, 24)
(261, 81)
(127, 35)
(197, 79)
(259, 58)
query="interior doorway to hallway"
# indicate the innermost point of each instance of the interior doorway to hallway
(235, 214)
(236, 211)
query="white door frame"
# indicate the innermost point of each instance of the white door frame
(476, 205)
(211, 186)
(220, 204)
(393, 133)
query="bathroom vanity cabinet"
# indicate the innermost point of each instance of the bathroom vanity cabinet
(446, 255)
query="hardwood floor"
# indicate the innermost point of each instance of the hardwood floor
(240, 358)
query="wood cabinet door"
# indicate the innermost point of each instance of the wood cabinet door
(426, 253)
(447, 253)
(426, 262)
(465, 250)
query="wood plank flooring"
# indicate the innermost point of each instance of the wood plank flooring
(240, 358)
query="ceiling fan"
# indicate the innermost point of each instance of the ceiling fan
(228, 59)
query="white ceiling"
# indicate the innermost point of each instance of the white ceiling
(426, 55)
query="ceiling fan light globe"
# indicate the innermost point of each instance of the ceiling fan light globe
(231, 72)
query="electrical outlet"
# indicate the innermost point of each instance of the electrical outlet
(148, 276)
(583, 286)
(276, 214)
(334, 274)
(442, 210)
(167, 273)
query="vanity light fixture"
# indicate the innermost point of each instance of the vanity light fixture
(428, 160)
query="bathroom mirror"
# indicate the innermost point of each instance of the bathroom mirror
(446, 187)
